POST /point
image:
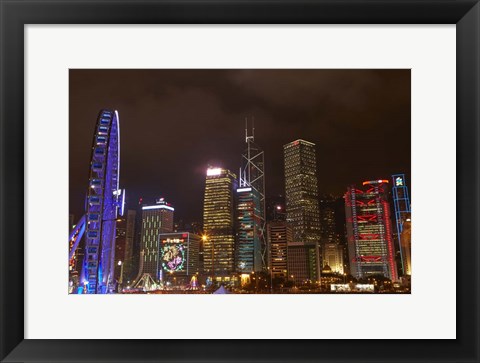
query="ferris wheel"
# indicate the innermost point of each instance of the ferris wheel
(104, 201)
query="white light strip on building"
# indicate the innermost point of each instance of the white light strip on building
(244, 190)
(215, 171)
(300, 141)
(158, 207)
(306, 142)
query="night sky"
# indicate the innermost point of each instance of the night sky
(174, 123)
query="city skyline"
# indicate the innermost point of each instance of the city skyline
(147, 172)
(312, 245)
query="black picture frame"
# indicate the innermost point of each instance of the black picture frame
(15, 14)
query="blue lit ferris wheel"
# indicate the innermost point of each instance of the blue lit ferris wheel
(104, 201)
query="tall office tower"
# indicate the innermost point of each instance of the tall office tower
(332, 254)
(369, 229)
(129, 241)
(301, 191)
(332, 251)
(248, 249)
(252, 177)
(301, 199)
(156, 219)
(218, 222)
(279, 235)
(401, 203)
(328, 232)
(120, 239)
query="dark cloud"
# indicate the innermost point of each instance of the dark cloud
(174, 123)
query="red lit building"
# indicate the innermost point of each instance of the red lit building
(369, 229)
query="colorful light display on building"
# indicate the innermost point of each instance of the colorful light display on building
(370, 241)
(173, 254)
(179, 253)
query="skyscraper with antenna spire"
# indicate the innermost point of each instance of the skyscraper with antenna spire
(251, 246)
(252, 172)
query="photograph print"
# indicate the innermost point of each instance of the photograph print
(239, 181)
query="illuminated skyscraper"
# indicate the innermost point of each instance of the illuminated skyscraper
(369, 228)
(218, 222)
(249, 231)
(156, 219)
(252, 172)
(279, 235)
(252, 177)
(250, 211)
(301, 191)
(302, 211)
(401, 203)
